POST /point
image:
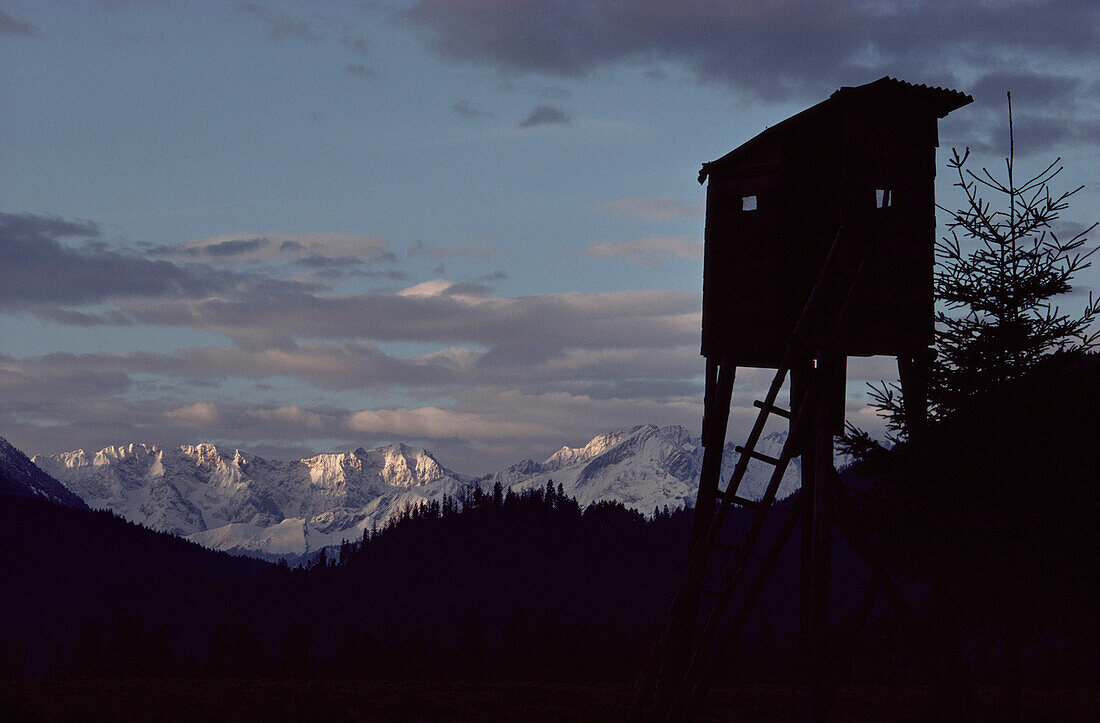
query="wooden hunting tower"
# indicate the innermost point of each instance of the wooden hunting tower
(861, 163)
(819, 245)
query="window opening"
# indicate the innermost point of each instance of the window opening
(884, 198)
(748, 203)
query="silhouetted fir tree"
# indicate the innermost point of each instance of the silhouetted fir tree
(999, 270)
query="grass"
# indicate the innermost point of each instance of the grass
(87, 699)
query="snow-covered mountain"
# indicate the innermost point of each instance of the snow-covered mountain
(244, 503)
(644, 468)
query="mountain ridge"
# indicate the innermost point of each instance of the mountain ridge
(243, 503)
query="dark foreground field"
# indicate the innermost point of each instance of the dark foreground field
(334, 700)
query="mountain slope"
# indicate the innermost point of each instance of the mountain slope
(19, 477)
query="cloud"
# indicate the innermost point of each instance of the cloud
(199, 414)
(322, 262)
(649, 251)
(442, 287)
(252, 247)
(290, 416)
(775, 50)
(16, 27)
(40, 270)
(435, 423)
(472, 251)
(545, 115)
(428, 314)
(650, 208)
(236, 247)
(1033, 89)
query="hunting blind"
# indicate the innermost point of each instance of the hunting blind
(864, 161)
(819, 245)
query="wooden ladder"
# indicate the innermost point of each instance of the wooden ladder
(686, 690)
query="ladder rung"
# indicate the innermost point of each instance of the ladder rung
(772, 409)
(757, 455)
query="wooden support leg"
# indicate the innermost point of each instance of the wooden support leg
(819, 573)
(801, 377)
(830, 374)
(716, 412)
(685, 616)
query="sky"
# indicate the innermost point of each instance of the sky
(469, 225)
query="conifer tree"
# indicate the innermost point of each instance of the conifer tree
(999, 269)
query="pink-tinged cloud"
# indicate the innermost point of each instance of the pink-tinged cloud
(650, 251)
(199, 414)
(650, 208)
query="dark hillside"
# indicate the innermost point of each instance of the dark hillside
(63, 568)
(19, 477)
(999, 510)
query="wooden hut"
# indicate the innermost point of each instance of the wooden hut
(860, 165)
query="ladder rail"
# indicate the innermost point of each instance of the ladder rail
(738, 559)
(691, 581)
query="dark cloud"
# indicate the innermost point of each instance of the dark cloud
(236, 247)
(775, 50)
(497, 275)
(1033, 89)
(323, 262)
(15, 27)
(25, 227)
(72, 317)
(1034, 134)
(40, 270)
(545, 115)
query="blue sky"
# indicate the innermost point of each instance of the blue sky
(469, 225)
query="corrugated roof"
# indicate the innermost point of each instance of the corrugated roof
(940, 101)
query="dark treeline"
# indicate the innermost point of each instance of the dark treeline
(997, 516)
(495, 585)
